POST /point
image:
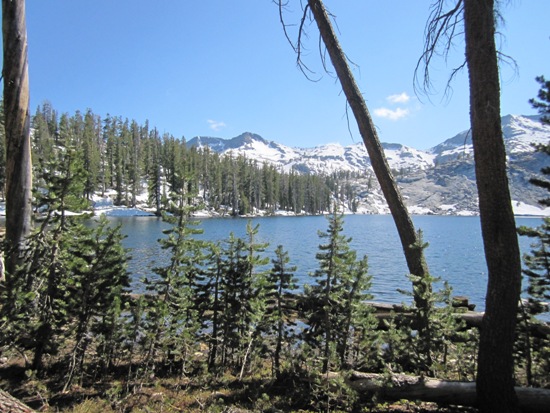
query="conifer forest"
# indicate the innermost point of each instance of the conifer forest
(219, 316)
(222, 326)
(131, 158)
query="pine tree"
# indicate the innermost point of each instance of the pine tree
(123, 164)
(280, 301)
(97, 285)
(255, 304)
(242, 298)
(155, 174)
(173, 321)
(213, 289)
(108, 165)
(542, 103)
(334, 302)
(43, 141)
(236, 290)
(2, 151)
(134, 164)
(45, 278)
(62, 180)
(536, 351)
(91, 152)
(62, 183)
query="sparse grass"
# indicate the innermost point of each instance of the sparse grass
(224, 394)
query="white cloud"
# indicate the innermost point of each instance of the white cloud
(400, 98)
(391, 114)
(216, 125)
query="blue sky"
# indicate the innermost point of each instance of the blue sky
(220, 68)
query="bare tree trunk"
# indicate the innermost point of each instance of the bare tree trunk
(17, 125)
(10, 404)
(401, 386)
(495, 384)
(405, 227)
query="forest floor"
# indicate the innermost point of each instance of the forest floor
(224, 394)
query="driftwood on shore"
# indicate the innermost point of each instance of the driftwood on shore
(401, 386)
(385, 311)
(473, 319)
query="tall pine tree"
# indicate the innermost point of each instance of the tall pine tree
(334, 302)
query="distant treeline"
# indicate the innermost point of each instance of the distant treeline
(118, 154)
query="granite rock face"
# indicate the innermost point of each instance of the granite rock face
(440, 180)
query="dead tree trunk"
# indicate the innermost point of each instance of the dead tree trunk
(17, 126)
(10, 404)
(401, 386)
(405, 227)
(495, 382)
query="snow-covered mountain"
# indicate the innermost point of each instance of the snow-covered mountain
(323, 159)
(440, 180)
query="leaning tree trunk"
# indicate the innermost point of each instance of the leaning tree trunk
(17, 127)
(405, 227)
(495, 384)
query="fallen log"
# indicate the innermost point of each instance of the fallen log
(10, 404)
(402, 386)
(386, 311)
(472, 319)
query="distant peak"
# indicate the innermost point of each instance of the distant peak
(250, 136)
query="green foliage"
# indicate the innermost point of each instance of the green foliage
(335, 308)
(280, 308)
(172, 314)
(98, 287)
(154, 173)
(242, 298)
(542, 103)
(69, 289)
(61, 181)
(120, 154)
(421, 343)
(72, 280)
(532, 352)
(537, 265)
(2, 150)
(90, 144)
(215, 307)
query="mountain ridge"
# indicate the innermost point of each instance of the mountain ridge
(440, 180)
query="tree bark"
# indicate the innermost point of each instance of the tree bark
(414, 256)
(10, 404)
(405, 227)
(17, 126)
(472, 319)
(531, 400)
(495, 384)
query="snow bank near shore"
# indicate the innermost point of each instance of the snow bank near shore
(104, 205)
(523, 209)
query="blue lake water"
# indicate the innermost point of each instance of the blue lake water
(455, 253)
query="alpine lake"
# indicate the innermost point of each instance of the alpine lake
(454, 255)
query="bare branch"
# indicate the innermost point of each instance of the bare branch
(442, 29)
(298, 46)
(281, 6)
(347, 122)
(440, 33)
(323, 55)
(303, 67)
